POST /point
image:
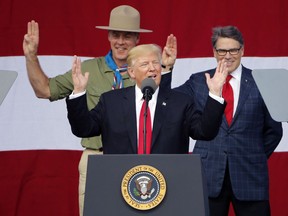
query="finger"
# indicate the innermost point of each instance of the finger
(86, 75)
(218, 67)
(32, 27)
(168, 40)
(207, 75)
(225, 70)
(29, 28)
(35, 28)
(26, 38)
(74, 65)
(221, 66)
(78, 66)
(170, 43)
(174, 42)
(167, 51)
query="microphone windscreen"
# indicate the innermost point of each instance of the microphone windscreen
(148, 83)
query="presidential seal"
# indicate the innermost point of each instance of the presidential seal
(143, 187)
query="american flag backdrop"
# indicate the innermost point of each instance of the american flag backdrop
(39, 155)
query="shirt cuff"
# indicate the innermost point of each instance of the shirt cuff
(73, 96)
(165, 72)
(217, 98)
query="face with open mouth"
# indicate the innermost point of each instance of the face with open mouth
(146, 66)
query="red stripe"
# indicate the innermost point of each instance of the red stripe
(39, 182)
(45, 182)
(70, 28)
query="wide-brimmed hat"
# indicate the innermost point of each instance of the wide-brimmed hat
(124, 18)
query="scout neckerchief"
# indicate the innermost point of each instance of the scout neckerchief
(118, 81)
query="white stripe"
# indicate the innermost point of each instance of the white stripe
(30, 123)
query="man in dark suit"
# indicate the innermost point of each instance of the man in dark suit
(235, 161)
(116, 115)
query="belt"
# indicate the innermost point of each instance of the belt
(100, 149)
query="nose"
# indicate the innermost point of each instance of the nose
(152, 67)
(121, 39)
(228, 55)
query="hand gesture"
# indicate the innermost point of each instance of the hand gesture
(79, 80)
(31, 39)
(216, 83)
(169, 53)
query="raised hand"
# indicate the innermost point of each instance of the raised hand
(31, 39)
(215, 84)
(169, 53)
(79, 80)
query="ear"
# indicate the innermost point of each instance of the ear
(214, 53)
(109, 36)
(131, 72)
(138, 39)
(242, 53)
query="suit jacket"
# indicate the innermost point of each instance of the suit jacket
(114, 117)
(245, 146)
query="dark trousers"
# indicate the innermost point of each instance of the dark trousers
(219, 206)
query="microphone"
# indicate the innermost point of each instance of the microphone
(148, 87)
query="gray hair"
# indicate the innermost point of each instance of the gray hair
(226, 32)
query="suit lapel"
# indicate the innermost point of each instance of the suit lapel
(160, 113)
(245, 86)
(129, 108)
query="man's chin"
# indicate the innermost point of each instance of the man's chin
(231, 68)
(122, 55)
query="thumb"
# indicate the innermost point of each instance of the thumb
(207, 75)
(166, 50)
(86, 74)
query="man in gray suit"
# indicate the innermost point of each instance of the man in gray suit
(235, 161)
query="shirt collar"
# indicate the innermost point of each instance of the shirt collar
(237, 73)
(139, 94)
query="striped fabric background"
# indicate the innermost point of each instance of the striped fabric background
(39, 155)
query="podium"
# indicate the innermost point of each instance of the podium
(7, 79)
(183, 185)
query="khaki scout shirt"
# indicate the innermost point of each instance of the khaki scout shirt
(100, 81)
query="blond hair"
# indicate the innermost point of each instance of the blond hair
(141, 50)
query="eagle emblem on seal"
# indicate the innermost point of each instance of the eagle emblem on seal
(144, 187)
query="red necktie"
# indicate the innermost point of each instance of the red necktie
(227, 93)
(141, 130)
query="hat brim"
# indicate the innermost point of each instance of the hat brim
(125, 30)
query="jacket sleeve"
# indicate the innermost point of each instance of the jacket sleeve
(166, 80)
(208, 122)
(273, 133)
(84, 123)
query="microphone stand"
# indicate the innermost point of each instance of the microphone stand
(146, 98)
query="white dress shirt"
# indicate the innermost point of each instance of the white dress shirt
(235, 84)
(139, 101)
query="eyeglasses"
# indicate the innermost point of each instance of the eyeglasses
(223, 52)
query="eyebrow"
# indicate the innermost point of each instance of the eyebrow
(229, 49)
